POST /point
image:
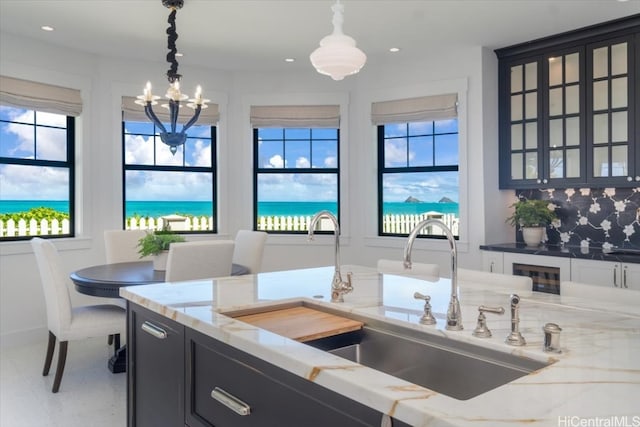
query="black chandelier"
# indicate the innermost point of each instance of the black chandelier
(172, 138)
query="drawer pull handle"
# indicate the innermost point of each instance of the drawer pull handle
(230, 401)
(152, 329)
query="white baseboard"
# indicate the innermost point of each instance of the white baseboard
(24, 337)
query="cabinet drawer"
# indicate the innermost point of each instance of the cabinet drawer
(273, 397)
(155, 369)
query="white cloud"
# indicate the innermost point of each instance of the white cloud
(276, 161)
(297, 187)
(331, 162)
(427, 187)
(395, 152)
(51, 142)
(19, 182)
(302, 162)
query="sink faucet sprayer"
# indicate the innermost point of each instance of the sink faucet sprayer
(338, 286)
(454, 315)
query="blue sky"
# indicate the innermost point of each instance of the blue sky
(47, 183)
(18, 182)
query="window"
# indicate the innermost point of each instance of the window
(36, 174)
(296, 166)
(296, 176)
(417, 165)
(158, 184)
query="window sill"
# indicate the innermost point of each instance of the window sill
(420, 244)
(65, 244)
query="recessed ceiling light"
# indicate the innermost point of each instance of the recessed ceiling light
(179, 54)
(46, 28)
(290, 60)
(394, 49)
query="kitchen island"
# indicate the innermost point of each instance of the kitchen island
(596, 377)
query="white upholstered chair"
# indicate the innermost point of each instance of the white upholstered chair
(249, 249)
(122, 245)
(417, 268)
(199, 260)
(64, 321)
(494, 280)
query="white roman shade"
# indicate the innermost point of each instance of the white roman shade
(132, 112)
(295, 116)
(422, 109)
(40, 96)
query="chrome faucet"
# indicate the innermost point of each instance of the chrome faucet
(454, 315)
(338, 286)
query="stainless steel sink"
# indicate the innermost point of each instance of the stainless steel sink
(456, 369)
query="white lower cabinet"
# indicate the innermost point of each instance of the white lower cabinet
(606, 273)
(492, 261)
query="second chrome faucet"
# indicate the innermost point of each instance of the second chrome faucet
(338, 286)
(454, 315)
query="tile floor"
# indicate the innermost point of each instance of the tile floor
(90, 395)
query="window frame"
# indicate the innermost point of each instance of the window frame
(257, 170)
(383, 170)
(213, 169)
(69, 163)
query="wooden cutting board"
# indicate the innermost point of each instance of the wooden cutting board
(301, 323)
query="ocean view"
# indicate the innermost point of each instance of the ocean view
(158, 208)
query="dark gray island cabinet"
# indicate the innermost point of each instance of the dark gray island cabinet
(180, 377)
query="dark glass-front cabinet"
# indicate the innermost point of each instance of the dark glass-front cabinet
(568, 109)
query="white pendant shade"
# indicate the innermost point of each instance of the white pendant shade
(338, 55)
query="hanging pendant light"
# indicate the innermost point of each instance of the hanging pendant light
(172, 137)
(338, 55)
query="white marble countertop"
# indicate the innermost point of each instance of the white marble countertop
(595, 379)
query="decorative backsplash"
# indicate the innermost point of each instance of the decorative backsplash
(596, 217)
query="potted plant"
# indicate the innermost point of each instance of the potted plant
(533, 216)
(156, 244)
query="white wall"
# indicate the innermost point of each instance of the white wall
(470, 71)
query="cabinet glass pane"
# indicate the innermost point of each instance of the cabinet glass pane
(572, 101)
(572, 68)
(619, 58)
(619, 127)
(600, 128)
(555, 164)
(572, 132)
(573, 163)
(555, 71)
(516, 107)
(555, 102)
(619, 160)
(531, 76)
(600, 62)
(600, 161)
(619, 92)
(531, 135)
(516, 79)
(516, 166)
(516, 137)
(600, 95)
(555, 133)
(532, 165)
(531, 107)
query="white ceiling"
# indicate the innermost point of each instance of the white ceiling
(259, 34)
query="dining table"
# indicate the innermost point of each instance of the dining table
(105, 281)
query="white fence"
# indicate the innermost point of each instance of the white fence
(393, 224)
(44, 227)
